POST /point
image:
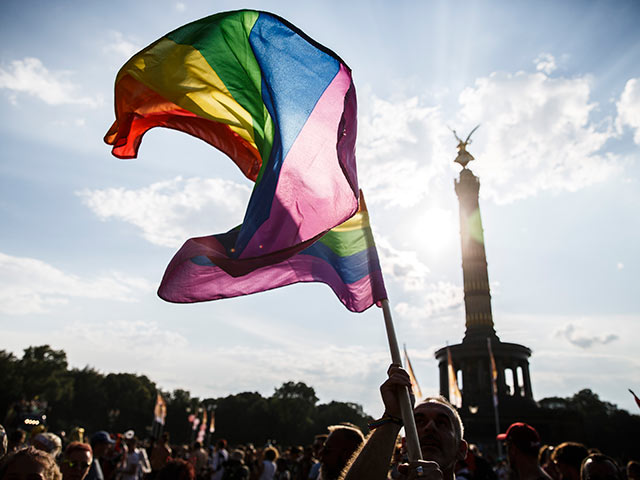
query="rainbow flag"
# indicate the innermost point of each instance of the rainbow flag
(345, 259)
(279, 104)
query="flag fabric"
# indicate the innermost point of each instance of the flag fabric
(160, 410)
(635, 398)
(345, 259)
(494, 374)
(203, 427)
(415, 387)
(279, 104)
(212, 424)
(455, 396)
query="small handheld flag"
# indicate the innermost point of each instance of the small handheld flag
(415, 386)
(455, 396)
(160, 410)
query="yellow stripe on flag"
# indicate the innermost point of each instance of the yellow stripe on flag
(181, 74)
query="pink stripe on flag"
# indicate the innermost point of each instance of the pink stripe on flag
(307, 194)
(186, 282)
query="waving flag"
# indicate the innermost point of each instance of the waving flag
(280, 105)
(345, 259)
(455, 396)
(160, 410)
(494, 374)
(415, 386)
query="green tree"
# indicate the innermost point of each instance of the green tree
(134, 397)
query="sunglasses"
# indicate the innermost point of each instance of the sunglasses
(78, 465)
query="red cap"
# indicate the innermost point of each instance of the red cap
(521, 435)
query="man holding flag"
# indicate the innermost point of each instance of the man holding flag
(440, 432)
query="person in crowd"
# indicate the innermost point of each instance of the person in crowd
(633, 470)
(48, 442)
(76, 435)
(101, 442)
(440, 433)
(161, 453)
(522, 446)
(220, 455)
(136, 463)
(599, 467)
(29, 463)
(268, 467)
(177, 469)
(342, 442)
(4, 442)
(480, 467)
(306, 462)
(293, 462)
(76, 461)
(282, 472)
(16, 440)
(318, 443)
(545, 462)
(234, 468)
(198, 457)
(568, 457)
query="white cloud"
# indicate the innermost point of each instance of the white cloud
(170, 212)
(402, 266)
(629, 108)
(400, 146)
(120, 46)
(545, 62)
(28, 285)
(578, 337)
(30, 76)
(620, 266)
(536, 134)
(439, 298)
(180, 7)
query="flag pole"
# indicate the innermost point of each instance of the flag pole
(411, 432)
(494, 391)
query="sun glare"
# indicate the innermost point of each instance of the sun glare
(435, 230)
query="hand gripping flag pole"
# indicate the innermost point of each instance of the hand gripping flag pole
(411, 432)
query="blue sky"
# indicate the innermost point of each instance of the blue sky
(85, 237)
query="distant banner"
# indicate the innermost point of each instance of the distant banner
(455, 396)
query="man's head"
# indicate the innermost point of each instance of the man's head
(440, 432)
(101, 441)
(523, 443)
(633, 470)
(568, 457)
(29, 464)
(48, 442)
(341, 444)
(76, 461)
(599, 467)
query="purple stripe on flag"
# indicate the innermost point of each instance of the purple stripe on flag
(312, 167)
(186, 281)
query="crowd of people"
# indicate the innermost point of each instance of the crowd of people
(342, 452)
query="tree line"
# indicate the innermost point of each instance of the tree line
(41, 383)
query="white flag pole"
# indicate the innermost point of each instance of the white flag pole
(413, 444)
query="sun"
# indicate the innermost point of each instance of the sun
(434, 230)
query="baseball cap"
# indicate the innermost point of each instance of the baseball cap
(102, 437)
(522, 435)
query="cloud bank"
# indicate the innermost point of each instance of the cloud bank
(31, 77)
(170, 212)
(29, 285)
